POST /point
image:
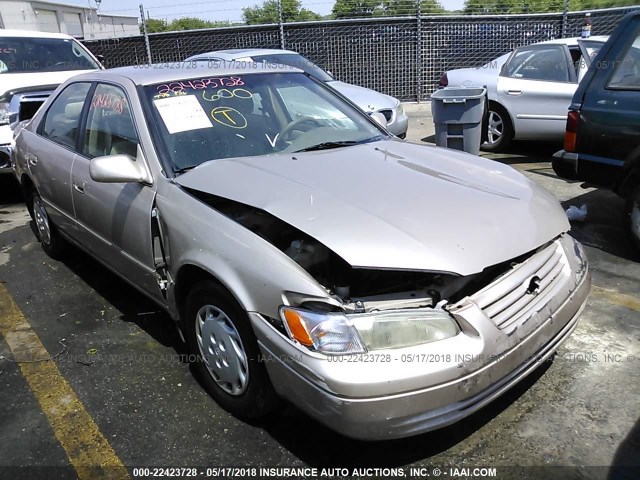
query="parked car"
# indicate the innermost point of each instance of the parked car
(602, 142)
(313, 259)
(32, 65)
(529, 89)
(365, 98)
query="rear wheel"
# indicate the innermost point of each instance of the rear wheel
(219, 334)
(499, 129)
(46, 232)
(633, 217)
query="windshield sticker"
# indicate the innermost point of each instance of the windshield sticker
(182, 113)
(229, 117)
(202, 84)
(226, 93)
(108, 101)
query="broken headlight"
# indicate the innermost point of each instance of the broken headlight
(339, 334)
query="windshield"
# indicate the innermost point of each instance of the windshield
(297, 61)
(250, 115)
(28, 55)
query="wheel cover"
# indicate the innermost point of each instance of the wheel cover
(42, 220)
(221, 348)
(495, 128)
(635, 220)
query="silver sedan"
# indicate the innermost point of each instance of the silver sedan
(368, 100)
(529, 89)
(383, 287)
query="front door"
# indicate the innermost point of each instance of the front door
(114, 218)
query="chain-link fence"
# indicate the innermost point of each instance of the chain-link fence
(402, 57)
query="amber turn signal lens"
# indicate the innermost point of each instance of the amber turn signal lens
(297, 328)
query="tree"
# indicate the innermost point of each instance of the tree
(386, 8)
(188, 23)
(357, 8)
(155, 25)
(192, 23)
(397, 8)
(479, 7)
(292, 11)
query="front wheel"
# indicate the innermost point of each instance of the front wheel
(499, 129)
(52, 243)
(633, 217)
(218, 333)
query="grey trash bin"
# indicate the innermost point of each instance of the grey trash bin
(457, 114)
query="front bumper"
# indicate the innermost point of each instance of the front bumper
(415, 390)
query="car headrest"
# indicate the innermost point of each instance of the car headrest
(72, 110)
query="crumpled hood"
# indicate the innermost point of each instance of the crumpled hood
(12, 81)
(395, 205)
(367, 99)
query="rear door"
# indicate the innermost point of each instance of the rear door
(536, 86)
(114, 218)
(51, 151)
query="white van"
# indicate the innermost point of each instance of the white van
(32, 65)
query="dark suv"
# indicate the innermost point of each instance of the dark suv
(602, 141)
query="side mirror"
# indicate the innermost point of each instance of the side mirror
(120, 168)
(379, 118)
(100, 58)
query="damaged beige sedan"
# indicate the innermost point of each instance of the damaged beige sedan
(384, 288)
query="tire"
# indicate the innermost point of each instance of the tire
(46, 232)
(500, 129)
(229, 366)
(633, 217)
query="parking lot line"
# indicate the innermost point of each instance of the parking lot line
(617, 298)
(86, 447)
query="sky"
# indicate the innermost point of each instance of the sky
(207, 10)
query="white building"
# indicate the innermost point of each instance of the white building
(75, 20)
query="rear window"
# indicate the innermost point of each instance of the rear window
(626, 75)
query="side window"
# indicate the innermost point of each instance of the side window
(547, 63)
(63, 117)
(110, 129)
(626, 75)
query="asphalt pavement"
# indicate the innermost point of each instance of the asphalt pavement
(92, 373)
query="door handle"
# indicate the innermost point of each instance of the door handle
(514, 92)
(32, 159)
(78, 188)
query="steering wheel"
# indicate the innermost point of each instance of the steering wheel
(286, 131)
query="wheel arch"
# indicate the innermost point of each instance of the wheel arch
(189, 275)
(27, 186)
(496, 103)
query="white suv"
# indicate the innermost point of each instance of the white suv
(32, 65)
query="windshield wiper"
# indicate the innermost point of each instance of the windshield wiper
(178, 171)
(328, 146)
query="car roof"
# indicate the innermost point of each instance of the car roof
(32, 34)
(172, 72)
(234, 53)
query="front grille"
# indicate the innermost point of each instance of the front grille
(527, 288)
(388, 114)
